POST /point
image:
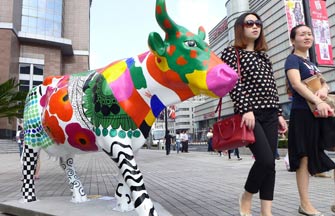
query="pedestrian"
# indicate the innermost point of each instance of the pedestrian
(236, 152)
(209, 136)
(255, 97)
(168, 141)
(184, 141)
(178, 141)
(305, 142)
(20, 139)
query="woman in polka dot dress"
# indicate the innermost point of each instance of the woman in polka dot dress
(255, 97)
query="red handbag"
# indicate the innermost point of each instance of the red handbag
(228, 133)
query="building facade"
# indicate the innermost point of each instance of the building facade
(276, 33)
(40, 38)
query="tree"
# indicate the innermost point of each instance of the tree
(11, 99)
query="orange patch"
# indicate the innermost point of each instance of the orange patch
(205, 63)
(60, 105)
(189, 34)
(169, 79)
(171, 49)
(51, 125)
(181, 61)
(214, 60)
(167, 24)
(131, 106)
(178, 34)
(48, 80)
(158, 10)
(193, 54)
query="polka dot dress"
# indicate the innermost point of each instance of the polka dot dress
(256, 88)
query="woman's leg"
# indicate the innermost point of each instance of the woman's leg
(302, 176)
(266, 206)
(237, 152)
(333, 206)
(245, 203)
(261, 177)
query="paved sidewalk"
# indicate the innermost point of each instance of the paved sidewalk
(188, 184)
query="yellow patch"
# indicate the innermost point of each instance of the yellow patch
(113, 72)
(150, 118)
(197, 83)
(163, 64)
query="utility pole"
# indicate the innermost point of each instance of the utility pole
(166, 121)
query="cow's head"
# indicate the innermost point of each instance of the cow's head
(190, 56)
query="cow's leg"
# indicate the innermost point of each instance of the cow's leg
(29, 160)
(78, 194)
(123, 155)
(123, 196)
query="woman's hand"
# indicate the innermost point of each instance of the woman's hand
(324, 110)
(322, 93)
(282, 125)
(249, 120)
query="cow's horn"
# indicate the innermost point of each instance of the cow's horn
(163, 19)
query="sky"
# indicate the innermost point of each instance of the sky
(120, 28)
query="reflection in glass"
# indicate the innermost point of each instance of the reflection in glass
(42, 17)
(38, 69)
(24, 68)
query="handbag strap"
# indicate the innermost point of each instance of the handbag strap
(238, 63)
(218, 107)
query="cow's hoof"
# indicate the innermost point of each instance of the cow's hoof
(124, 207)
(79, 199)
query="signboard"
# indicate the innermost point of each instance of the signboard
(323, 47)
(294, 11)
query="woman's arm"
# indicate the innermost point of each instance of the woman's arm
(295, 80)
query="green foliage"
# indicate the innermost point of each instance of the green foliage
(282, 143)
(11, 99)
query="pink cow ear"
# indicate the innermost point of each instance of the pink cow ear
(156, 43)
(202, 33)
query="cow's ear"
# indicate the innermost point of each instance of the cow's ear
(202, 33)
(156, 43)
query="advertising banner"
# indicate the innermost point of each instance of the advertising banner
(294, 13)
(323, 47)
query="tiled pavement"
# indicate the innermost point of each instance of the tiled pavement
(188, 184)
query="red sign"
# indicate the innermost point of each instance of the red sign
(323, 47)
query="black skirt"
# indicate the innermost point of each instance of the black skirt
(308, 136)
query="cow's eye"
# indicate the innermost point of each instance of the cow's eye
(190, 43)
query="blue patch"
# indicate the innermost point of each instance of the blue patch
(130, 62)
(156, 105)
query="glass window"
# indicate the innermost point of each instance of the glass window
(38, 69)
(25, 2)
(33, 22)
(37, 72)
(25, 11)
(36, 83)
(25, 20)
(42, 17)
(24, 68)
(24, 85)
(42, 4)
(32, 12)
(50, 4)
(33, 3)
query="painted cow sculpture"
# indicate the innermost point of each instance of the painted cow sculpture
(113, 108)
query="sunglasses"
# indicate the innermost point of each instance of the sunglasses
(251, 23)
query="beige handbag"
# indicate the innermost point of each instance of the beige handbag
(314, 83)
